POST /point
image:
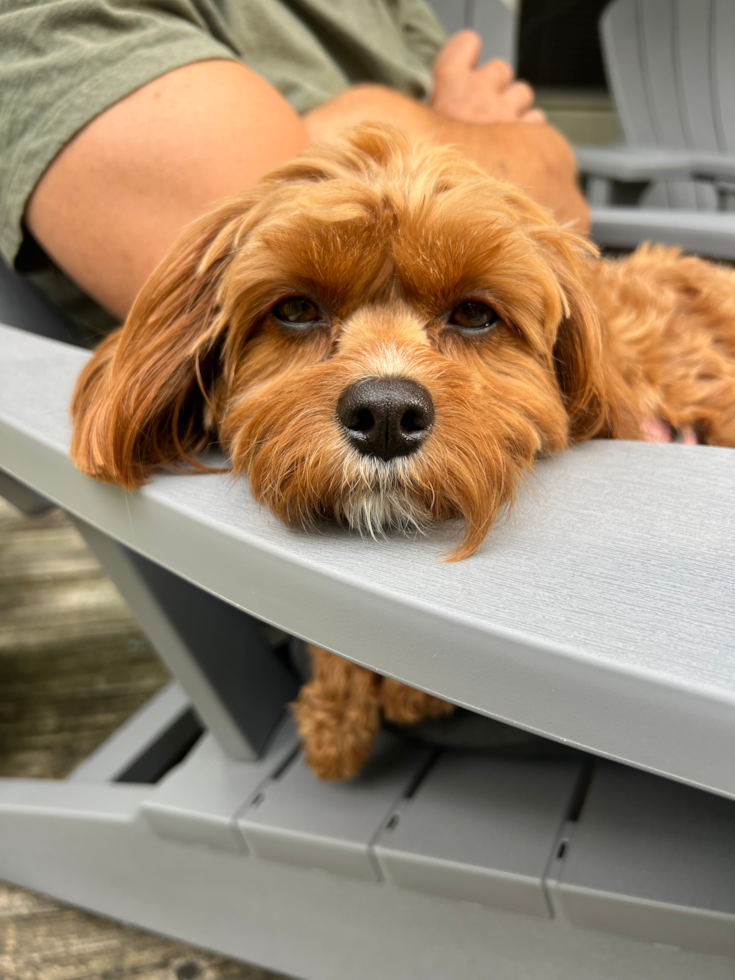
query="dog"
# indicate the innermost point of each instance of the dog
(384, 335)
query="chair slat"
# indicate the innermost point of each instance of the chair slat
(620, 31)
(692, 53)
(692, 47)
(656, 18)
(723, 71)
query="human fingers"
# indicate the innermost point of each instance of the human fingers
(659, 430)
(497, 74)
(519, 97)
(460, 53)
(534, 117)
(689, 436)
(656, 430)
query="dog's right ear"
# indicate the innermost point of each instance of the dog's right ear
(140, 401)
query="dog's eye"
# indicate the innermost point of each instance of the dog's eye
(473, 316)
(297, 311)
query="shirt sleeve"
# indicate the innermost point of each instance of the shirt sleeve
(63, 62)
(422, 32)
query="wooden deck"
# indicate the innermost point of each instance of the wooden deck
(73, 666)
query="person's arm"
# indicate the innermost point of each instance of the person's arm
(115, 199)
(117, 196)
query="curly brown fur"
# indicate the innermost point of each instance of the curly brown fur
(338, 715)
(338, 712)
(388, 240)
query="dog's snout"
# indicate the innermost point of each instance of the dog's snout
(386, 417)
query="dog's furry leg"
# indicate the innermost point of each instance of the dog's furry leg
(405, 705)
(337, 715)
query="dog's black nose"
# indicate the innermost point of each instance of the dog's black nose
(386, 417)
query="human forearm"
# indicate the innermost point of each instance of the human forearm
(118, 195)
(115, 199)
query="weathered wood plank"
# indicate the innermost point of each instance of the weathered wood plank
(73, 666)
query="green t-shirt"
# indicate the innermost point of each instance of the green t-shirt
(62, 62)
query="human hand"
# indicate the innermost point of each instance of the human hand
(487, 94)
(659, 430)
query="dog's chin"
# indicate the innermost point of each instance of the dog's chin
(380, 497)
(303, 487)
(382, 511)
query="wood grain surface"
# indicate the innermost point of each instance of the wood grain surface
(73, 666)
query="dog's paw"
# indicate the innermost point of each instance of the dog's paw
(337, 734)
(404, 705)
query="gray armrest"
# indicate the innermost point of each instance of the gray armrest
(632, 164)
(600, 613)
(709, 233)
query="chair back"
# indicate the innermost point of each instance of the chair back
(671, 69)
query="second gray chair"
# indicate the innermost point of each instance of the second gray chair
(670, 69)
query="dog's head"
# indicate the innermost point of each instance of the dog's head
(376, 333)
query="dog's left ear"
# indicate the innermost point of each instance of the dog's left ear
(578, 348)
(141, 400)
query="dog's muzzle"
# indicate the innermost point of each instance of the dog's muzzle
(386, 417)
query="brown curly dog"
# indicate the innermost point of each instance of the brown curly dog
(384, 335)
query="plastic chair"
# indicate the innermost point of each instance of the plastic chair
(600, 616)
(671, 72)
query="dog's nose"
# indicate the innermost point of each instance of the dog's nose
(386, 417)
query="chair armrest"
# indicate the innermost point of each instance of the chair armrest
(708, 233)
(600, 614)
(633, 164)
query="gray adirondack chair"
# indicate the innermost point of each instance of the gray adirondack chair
(600, 616)
(672, 74)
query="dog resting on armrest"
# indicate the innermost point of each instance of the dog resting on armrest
(384, 335)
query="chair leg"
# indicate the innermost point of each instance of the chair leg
(19, 495)
(218, 653)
